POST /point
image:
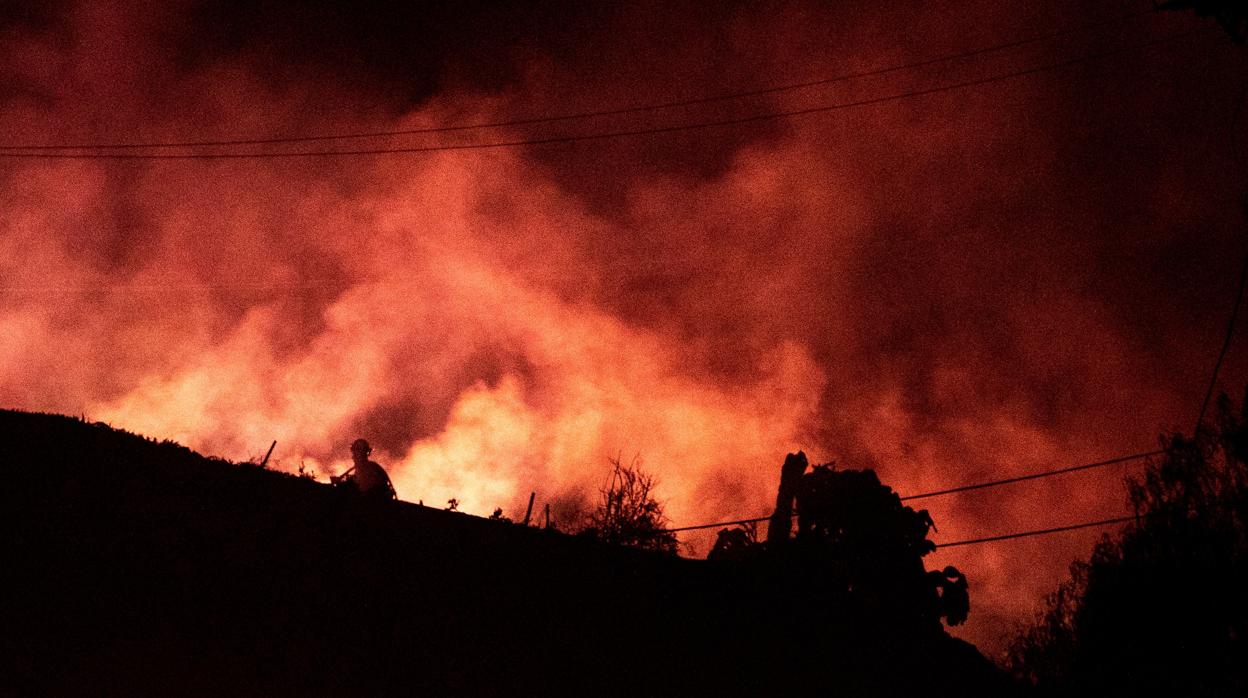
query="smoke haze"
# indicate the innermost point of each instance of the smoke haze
(955, 287)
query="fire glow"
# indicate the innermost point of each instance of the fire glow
(929, 288)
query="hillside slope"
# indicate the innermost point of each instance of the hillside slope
(136, 567)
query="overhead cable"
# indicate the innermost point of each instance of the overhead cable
(1243, 273)
(261, 155)
(1034, 476)
(619, 111)
(953, 490)
(1039, 532)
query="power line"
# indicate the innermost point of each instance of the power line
(1226, 343)
(1034, 476)
(1200, 419)
(1243, 275)
(1217, 504)
(988, 539)
(1039, 532)
(619, 111)
(607, 134)
(114, 288)
(952, 490)
(738, 522)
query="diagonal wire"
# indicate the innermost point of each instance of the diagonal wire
(634, 109)
(952, 490)
(1034, 476)
(1039, 532)
(1226, 343)
(610, 134)
(1243, 272)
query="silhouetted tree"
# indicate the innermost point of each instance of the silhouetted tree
(628, 514)
(1164, 606)
(498, 515)
(875, 544)
(1229, 13)
(736, 544)
(145, 568)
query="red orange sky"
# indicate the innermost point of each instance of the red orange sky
(951, 287)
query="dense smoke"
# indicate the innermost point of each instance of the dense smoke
(949, 288)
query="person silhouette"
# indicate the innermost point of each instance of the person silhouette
(366, 477)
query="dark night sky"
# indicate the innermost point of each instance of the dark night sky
(949, 287)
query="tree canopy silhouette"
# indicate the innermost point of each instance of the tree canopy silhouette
(857, 536)
(138, 567)
(1163, 606)
(876, 544)
(628, 514)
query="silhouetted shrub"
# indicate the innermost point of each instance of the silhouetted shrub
(875, 545)
(498, 515)
(1164, 606)
(142, 568)
(628, 514)
(737, 544)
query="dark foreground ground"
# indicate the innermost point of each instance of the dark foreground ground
(132, 567)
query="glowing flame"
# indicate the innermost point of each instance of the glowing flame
(930, 287)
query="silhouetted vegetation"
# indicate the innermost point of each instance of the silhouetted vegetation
(628, 514)
(876, 544)
(864, 542)
(1163, 606)
(1229, 13)
(138, 568)
(498, 516)
(736, 544)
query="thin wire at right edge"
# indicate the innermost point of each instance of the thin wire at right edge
(1243, 273)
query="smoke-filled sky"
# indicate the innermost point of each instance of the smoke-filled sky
(950, 287)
